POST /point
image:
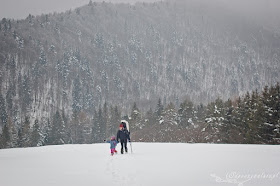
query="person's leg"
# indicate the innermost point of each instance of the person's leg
(112, 151)
(125, 145)
(122, 146)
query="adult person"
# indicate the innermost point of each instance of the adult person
(122, 137)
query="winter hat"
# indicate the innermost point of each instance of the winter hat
(113, 138)
(121, 125)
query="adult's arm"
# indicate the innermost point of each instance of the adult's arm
(118, 135)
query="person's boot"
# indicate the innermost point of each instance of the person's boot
(122, 151)
(126, 150)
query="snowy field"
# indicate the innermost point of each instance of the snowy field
(149, 164)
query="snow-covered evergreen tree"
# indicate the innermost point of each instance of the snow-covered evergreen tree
(215, 120)
(159, 108)
(46, 138)
(186, 114)
(135, 121)
(77, 97)
(26, 93)
(57, 130)
(35, 137)
(13, 134)
(3, 111)
(24, 134)
(5, 137)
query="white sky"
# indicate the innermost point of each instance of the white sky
(20, 9)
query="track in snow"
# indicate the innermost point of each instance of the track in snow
(150, 164)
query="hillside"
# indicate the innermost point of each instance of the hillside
(149, 164)
(79, 64)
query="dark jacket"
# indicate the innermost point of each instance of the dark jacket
(123, 135)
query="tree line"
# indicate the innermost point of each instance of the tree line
(253, 118)
(79, 129)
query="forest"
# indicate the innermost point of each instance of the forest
(185, 71)
(251, 119)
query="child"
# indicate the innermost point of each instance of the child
(113, 144)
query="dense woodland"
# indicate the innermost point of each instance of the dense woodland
(253, 118)
(70, 77)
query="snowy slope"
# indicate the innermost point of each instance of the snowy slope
(150, 164)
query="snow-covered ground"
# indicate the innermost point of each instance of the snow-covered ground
(149, 164)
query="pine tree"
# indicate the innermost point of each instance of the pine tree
(228, 125)
(12, 133)
(36, 135)
(30, 21)
(186, 114)
(159, 108)
(247, 113)
(47, 18)
(170, 114)
(98, 130)
(5, 137)
(135, 122)
(259, 118)
(9, 100)
(251, 125)
(215, 120)
(95, 127)
(105, 119)
(151, 118)
(267, 127)
(77, 97)
(90, 3)
(3, 112)
(47, 133)
(270, 127)
(239, 121)
(65, 74)
(43, 58)
(9, 25)
(67, 136)
(24, 134)
(26, 96)
(5, 24)
(101, 125)
(114, 119)
(200, 113)
(57, 131)
(82, 128)
(277, 114)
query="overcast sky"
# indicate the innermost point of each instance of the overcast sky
(19, 9)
